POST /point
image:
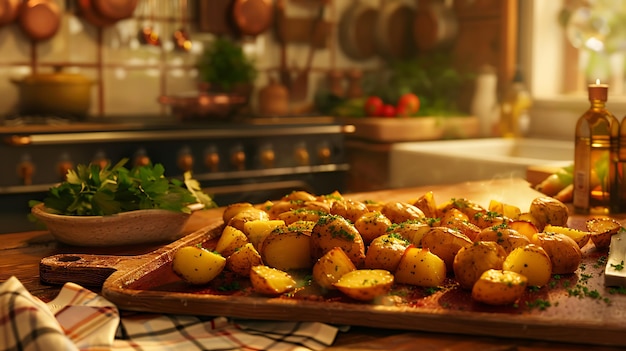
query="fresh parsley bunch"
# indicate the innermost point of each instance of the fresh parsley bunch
(93, 191)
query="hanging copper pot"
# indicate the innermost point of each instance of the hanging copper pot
(39, 19)
(9, 10)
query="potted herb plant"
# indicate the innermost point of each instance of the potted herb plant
(224, 67)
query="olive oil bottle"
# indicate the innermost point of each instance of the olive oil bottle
(595, 156)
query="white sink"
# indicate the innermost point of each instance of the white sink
(456, 161)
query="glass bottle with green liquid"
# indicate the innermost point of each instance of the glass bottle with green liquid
(596, 156)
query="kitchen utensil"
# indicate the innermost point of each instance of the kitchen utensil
(115, 9)
(394, 35)
(435, 25)
(65, 94)
(126, 228)
(215, 17)
(283, 70)
(39, 19)
(89, 13)
(181, 37)
(252, 17)
(203, 104)
(9, 10)
(274, 99)
(300, 84)
(147, 34)
(356, 31)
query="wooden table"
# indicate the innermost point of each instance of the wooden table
(20, 254)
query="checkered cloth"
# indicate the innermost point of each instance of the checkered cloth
(78, 319)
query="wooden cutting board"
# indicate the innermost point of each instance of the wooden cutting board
(146, 283)
(389, 130)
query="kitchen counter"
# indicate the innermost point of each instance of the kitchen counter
(21, 253)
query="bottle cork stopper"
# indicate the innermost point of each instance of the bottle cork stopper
(598, 91)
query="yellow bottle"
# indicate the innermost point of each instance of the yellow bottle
(514, 117)
(595, 156)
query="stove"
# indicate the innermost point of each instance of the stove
(250, 159)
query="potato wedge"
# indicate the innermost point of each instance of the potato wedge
(372, 225)
(335, 231)
(564, 252)
(256, 231)
(579, 236)
(469, 229)
(231, 210)
(332, 266)
(270, 281)
(420, 267)
(351, 210)
(427, 204)
(445, 243)
(506, 210)
(243, 259)
(471, 261)
(526, 228)
(246, 215)
(498, 287)
(531, 261)
(287, 250)
(230, 240)
(365, 284)
(385, 252)
(197, 265)
(413, 231)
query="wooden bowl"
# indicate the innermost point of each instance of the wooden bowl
(126, 228)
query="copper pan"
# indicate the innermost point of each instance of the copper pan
(115, 9)
(39, 19)
(89, 13)
(252, 17)
(9, 10)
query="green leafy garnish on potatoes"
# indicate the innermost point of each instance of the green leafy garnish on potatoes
(90, 190)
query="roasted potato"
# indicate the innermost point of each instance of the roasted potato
(445, 243)
(506, 210)
(335, 231)
(602, 229)
(287, 250)
(230, 240)
(470, 208)
(399, 212)
(300, 214)
(271, 281)
(413, 231)
(548, 210)
(246, 215)
(564, 252)
(299, 195)
(243, 259)
(471, 261)
(526, 228)
(427, 204)
(531, 261)
(372, 225)
(488, 219)
(365, 284)
(498, 287)
(256, 231)
(469, 229)
(385, 252)
(420, 267)
(580, 237)
(283, 206)
(508, 238)
(231, 210)
(197, 265)
(453, 214)
(332, 266)
(349, 209)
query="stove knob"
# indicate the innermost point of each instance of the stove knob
(212, 159)
(301, 155)
(101, 160)
(26, 170)
(185, 160)
(268, 156)
(324, 153)
(64, 165)
(238, 158)
(141, 158)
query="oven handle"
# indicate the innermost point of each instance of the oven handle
(287, 185)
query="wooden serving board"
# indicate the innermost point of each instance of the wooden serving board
(390, 130)
(146, 283)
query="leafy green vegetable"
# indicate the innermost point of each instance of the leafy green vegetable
(93, 191)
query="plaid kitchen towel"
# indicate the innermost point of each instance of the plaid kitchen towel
(79, 319)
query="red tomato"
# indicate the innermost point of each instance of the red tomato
(408, 105)
(374, 106)
(388, 111)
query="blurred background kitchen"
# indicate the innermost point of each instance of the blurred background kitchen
(98, 80)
